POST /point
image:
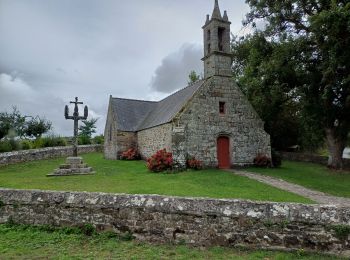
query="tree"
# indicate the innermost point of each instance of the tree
(193, 77)
(88, 127)
(320, 33)
(12, 122)
(15, 124)
(266, 73)
(36, 127)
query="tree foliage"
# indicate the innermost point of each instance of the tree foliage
(36, 127)
(318, 35)
(88, 128)
(266, 73)
(193, 77)
(11, 122)
(15, 124)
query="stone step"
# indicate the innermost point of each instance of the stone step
(71, 166)
(72, 171)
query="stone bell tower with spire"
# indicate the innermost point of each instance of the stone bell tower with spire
(217, 56)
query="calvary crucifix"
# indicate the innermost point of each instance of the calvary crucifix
(76, 118)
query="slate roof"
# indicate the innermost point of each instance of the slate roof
(136, 115)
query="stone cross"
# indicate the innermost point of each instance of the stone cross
(76, 118)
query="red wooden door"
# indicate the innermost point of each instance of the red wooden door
(223, 152)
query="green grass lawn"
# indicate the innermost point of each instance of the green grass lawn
(134, 178)
(28, 242)
(312, 176)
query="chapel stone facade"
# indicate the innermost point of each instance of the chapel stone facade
(210, 120)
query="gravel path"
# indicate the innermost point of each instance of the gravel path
(316, 196)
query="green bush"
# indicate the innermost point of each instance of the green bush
(38, 143)
(60, 141)
(84, 140)
(99, 139)
(15, 144)
(49, 141)
(8, 145)
(26, 144)
(342, 232)
(88, 229)
(5, 146)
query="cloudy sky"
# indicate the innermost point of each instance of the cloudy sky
(54, 50)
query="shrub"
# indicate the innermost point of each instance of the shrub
(88, 229)
(26, 144)
(131, 154)
(5, 146)
(99, 139)
(38, 143)
(342, 232)
(160, 161)
(15, 144)
(262, 160)
(276, 158)
(49, 141)
(195, 164)
(84, 140)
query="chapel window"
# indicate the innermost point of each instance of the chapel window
(110, 132)
(222, 108)
(220, 36)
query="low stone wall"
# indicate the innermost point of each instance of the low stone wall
(195, 221)
(45, 153)
(304, 157)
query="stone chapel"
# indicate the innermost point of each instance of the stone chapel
(210, 120)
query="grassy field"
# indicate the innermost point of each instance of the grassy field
(311, 175)
(26, 242)
(134, 178)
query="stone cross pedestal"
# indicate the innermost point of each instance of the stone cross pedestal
(74, 165)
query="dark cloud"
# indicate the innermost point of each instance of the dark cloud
(172, 74)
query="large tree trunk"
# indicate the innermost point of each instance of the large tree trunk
(336, 146)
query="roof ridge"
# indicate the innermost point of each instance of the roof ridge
(159, 103)
(190, 85)
(131, 99)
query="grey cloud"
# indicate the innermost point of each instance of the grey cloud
(16, 92)
(172, 74)
(54, 50)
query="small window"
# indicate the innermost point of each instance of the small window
(209, 50)
(221, 36)
(222, 107)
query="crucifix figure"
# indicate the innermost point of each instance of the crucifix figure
(76, 118)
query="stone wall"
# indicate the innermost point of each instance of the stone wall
(304, 157)
(125, 141)
(153, 139)
(45, 153)
(203, 124)
(195, 221)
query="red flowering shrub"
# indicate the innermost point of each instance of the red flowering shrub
(195, 164)
(160, 161)
(131, 154)
(262, 160)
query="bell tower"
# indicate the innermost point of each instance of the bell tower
(217, 55)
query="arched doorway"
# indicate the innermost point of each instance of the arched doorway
(223, 152)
